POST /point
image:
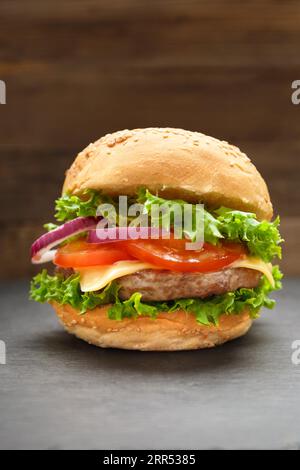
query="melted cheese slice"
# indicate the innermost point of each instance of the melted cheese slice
(95, 278)
(251, 262)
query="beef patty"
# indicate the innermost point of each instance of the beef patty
(168, 285)
(161, 285)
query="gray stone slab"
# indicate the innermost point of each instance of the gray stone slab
(57, 392)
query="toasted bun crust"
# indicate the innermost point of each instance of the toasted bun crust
(174, 163)
(168, 332)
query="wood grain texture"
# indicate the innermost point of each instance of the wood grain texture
(55, 106)
(76, 70)
(154, 33)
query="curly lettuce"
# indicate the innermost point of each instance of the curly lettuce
(70, 206)
(47, 288)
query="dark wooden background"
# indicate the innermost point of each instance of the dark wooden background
(76, 70)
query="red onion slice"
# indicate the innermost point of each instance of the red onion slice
(110, 235)
(41, 249)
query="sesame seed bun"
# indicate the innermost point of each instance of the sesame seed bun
(173, 163)
(168, 332)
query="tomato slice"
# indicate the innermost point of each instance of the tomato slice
(80, 253)
(167, 254)
(172, 255)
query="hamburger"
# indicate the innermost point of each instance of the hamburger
(148, 292)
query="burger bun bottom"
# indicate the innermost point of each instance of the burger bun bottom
(168, 332)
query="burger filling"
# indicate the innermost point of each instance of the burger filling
(231, 272)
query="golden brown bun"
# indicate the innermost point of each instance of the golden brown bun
(168, 332)
(174, 163)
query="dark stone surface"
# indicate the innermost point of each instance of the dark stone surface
(57, 392)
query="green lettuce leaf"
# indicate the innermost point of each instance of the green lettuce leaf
(47, 288)
(69, 206)
(262, 238)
